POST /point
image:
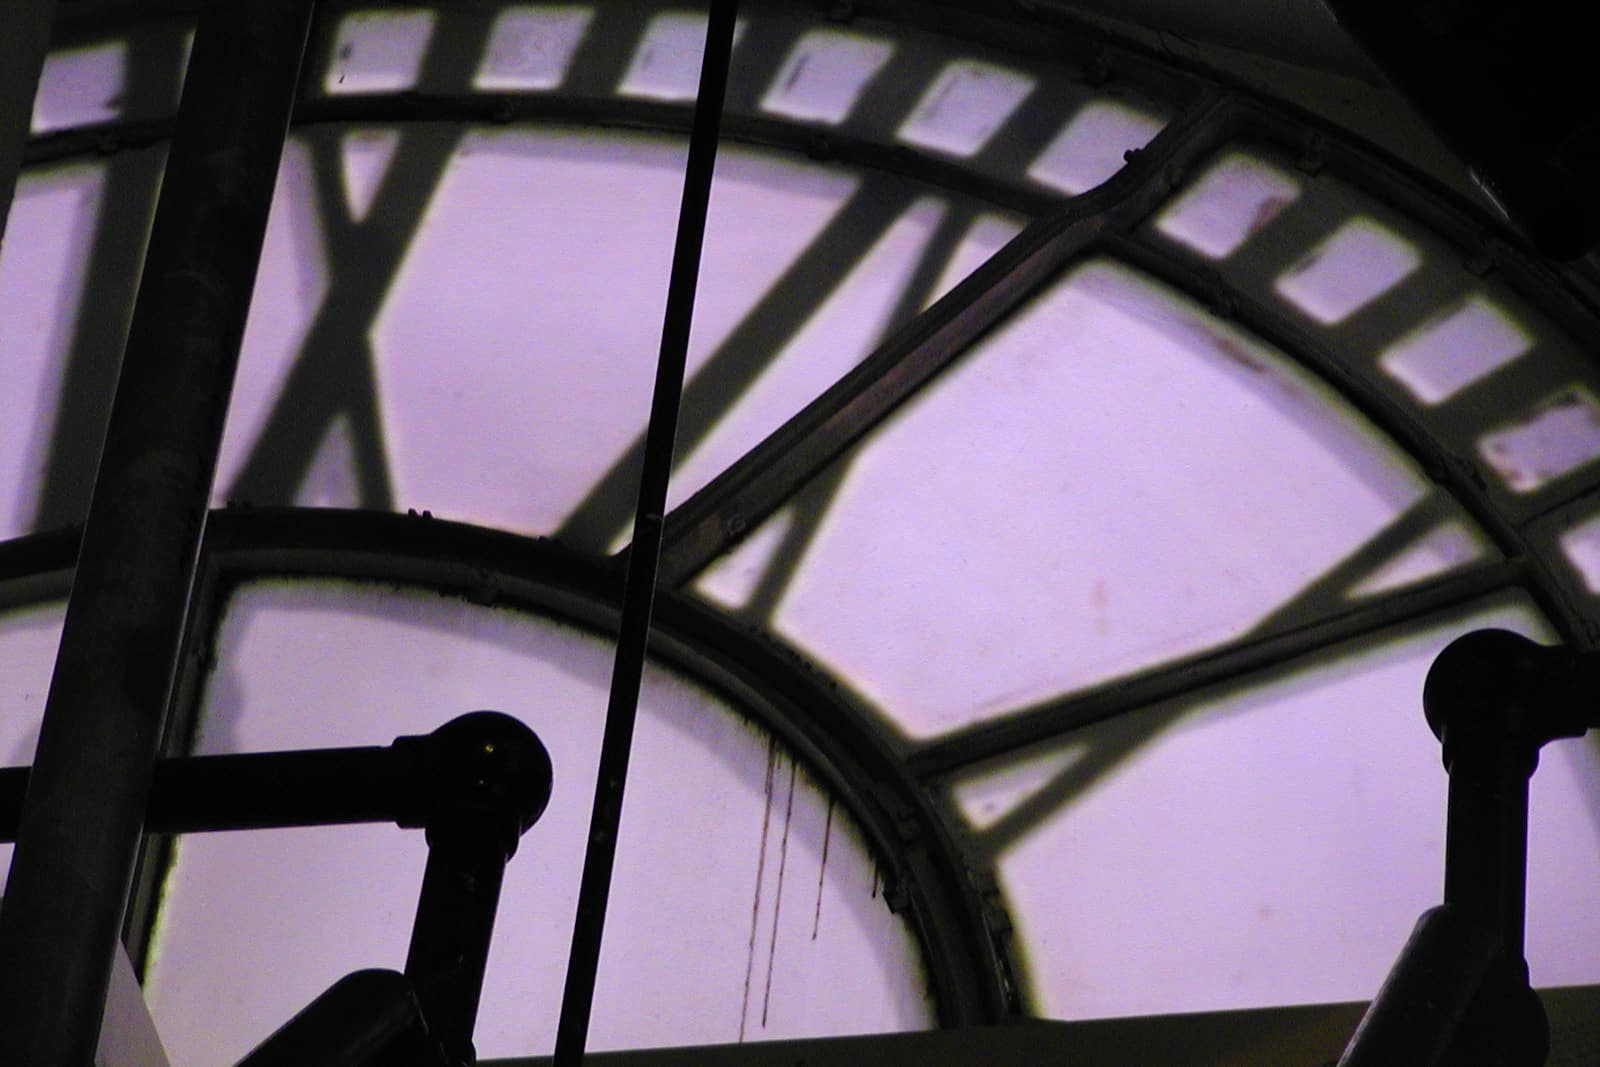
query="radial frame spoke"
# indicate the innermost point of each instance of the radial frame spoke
(1256, 651)
(751, 488)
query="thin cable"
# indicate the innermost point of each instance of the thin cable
(638, 596)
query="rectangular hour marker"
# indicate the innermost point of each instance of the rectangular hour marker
(1093, 146)
(80, 87)
(666, 65)
(1355, 265)
(964, 107)
(378, 51)
(1455, 349)
(1561, 435)
(1581, 545)
(823, 77)
(1236, 197)
(531, 47)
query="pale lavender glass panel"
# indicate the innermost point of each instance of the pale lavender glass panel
(1581, 547)
(1093, 145)
(1234, 198)
(825, 74)
(42, 268)
(80, 87)
(28, 640)
(722, 832)
(1353, 266)
(1556, 438)
(1272, 844)
(516, 348)
(1447, 546)
(844, 329)
(1069, 504)
(365, 155)
(378, 51)
(965, 106)
(531, 47)
(1457, 347)
(666, 63)
(291, 284)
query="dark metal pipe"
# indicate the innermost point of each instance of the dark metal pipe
(365, 1018)
(86, 800)
(1416, 1015)
(1459, 994)
(488, 779)
(257, 791)
(23, 47)
(415, 782)
(450, 938)
(638, 597)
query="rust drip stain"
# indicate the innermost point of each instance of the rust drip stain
(1100, 600)
(777, 899)
(761, 870)
(822, 869)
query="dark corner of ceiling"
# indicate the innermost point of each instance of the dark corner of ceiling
(1510, 86)
(1503, 90)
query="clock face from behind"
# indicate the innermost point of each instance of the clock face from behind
(1080, 466)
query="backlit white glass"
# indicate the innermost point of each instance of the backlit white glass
(1358, 263)
(530, 47)
(379, 51)
(1065, 506)
(552, 334)
(80, 87)
(745, 904)
(1237, 196)
(666, 65)
(1447, 546)
(1093, 146)
(965, 106)
(42, 263)
(1456, 348)
(1559, 436)
(825, 74)
(1270, 844)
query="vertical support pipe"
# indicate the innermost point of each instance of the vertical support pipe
(23, 45)
(644, 557)
(455, 920)
(84, 810)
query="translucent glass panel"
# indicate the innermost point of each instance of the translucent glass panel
(378, 51)
(965, 106)
(1093, 146)
(42, 265)
(666, 64)
(1233, 199)
(80, 87)
(1110, 479)
(1357, 263)
(28, 640)
(824, 75)
(386, 355)
(1559, 436)
(776, 924)
(1272, 843)
(1459, 346)
(531, 47)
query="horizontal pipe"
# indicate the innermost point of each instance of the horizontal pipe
(412, 782)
